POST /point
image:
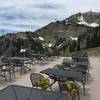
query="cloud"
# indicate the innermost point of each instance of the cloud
(24, 15)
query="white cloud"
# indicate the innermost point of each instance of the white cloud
(22, 15)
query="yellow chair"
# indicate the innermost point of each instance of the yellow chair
(39, 80)
(72, 87)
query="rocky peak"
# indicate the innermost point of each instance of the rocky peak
(91, 19)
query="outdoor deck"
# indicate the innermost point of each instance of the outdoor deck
(92, 87)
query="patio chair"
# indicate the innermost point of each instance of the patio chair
(60, 66)
(66, 63)
(8, 69)
(84, 71)
(29, 62)
(39, 80)
(19, 65)
(72, 87)
(16, 62)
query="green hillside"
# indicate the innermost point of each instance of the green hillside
(91, 52)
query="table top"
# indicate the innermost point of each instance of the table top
(38, 55)
(18, 58)
(78, 58)
(3, 64)
(74, 68)
(15, 92)
(76, 63)
(66, 75)
(83, 57)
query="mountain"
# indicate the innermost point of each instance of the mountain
(13, 44)
(72, 26)
(75, 32)
(79, 31)
(91, 18)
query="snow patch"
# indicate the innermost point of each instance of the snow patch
(22, 50)
(41, 38)
(94, 25)
(50, 45)
(59, 45)
(81, 19)
(83, 22)
(66, 22)
(74, 38)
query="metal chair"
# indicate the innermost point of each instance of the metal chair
(10, 69)
(60, 66)
(71, 87)
(66, 63)
(29, 62)
(18, 64)
(36, 78)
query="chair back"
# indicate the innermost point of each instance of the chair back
(65, 63)
(35, 77)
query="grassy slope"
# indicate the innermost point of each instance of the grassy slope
(90, 51)
(93, 51)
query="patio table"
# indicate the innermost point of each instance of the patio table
(3, 64)
(21, 59)
(80, 58)
(39, 57)
(15, 92)
(63, 75)
(83, 66)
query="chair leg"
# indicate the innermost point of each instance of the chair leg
(78, 94)
(10, 75)
(14, 74)
(50, 87)
(33, 66)
(5, 76)
(84, 88)
(29, 69)
(73, 97)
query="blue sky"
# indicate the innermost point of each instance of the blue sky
(30, 15)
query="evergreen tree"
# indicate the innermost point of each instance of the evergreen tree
(72, 46)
